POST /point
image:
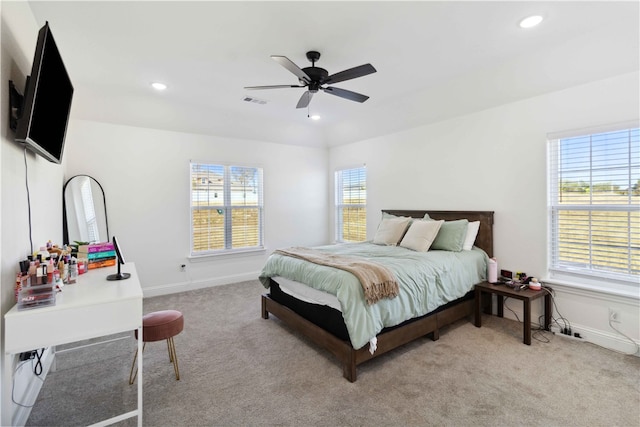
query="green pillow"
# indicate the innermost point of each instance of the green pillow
(451, 235)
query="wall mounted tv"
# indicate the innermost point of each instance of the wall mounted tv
(42, 125)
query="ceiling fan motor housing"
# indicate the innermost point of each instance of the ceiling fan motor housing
(317, 75)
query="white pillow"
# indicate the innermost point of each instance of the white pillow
(472, 232)
(390, 231)
(421, 235)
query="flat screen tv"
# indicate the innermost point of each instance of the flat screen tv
(42, 125)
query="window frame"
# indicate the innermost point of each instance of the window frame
(227, 207)
(591, 274)
(339, 205)
(89, 212)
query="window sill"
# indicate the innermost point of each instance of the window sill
(236, 253)
(597, 288)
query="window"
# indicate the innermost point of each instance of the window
(89, 211)
(226, 208)
(351, 205)
(594, 205)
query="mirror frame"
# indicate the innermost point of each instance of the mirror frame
(65, 227)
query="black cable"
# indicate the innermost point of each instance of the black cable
(26, 181)
(13, 388)
(627, 337)
(37, 369)
(504, 304)
(567, 324)
(540, 320)
(537, 329)
(539, 335)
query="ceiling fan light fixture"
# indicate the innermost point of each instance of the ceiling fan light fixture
(158, 86)
(531, 21)
(314, 117)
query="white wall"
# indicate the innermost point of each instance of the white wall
(19, 33)
(496, 160)
(145, 176)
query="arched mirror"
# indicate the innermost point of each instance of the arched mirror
(84, 211)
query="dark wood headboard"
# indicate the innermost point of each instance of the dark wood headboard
(484, 240)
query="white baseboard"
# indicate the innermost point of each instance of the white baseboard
(609, 340)
(587, 310)
(197, 284)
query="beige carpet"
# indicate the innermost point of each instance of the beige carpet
(239, 369)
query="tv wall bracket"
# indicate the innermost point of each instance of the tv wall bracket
(16, 105)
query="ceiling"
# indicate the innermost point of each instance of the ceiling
(434, 60)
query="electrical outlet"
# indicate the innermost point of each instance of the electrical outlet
(614, 316)
(183, 267)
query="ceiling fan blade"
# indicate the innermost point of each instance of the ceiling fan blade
(289, 65)
(347, 94)
(272, 87)
(349, 74)
(305, 99)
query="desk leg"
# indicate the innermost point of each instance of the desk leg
(527, 321)
(500, 305)
(478, 307)
(7, 381)
(140, 380)
(547, 312)
(54, 364)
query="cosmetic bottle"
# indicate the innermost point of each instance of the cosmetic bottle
(50, 270)
(65, 272)
(18, 287)
(41, 276)
(73, 271)
(61, 267)
(32, 269)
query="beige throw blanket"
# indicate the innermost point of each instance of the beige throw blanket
(376, 280)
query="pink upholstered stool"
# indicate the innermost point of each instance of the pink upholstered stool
(158, 326)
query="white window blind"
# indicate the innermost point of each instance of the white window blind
(351, 205)
(226, 208)
(594, 205)
(89, 212)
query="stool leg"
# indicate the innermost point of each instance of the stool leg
(132, 374)
(173, 356)
(169, 350)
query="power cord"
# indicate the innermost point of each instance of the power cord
(37, 369)
(15, 371)
(26, 181)
(567, 325)
(538, 331)
(627, 337)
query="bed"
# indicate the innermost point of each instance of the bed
(326, 326)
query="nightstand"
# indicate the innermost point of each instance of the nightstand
(525, 295)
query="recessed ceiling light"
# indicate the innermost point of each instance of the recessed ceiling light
(158, 86)
(531, 21)
(315, 117)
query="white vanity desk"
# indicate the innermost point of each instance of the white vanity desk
(92, 307)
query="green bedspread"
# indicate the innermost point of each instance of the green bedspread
(427, 280)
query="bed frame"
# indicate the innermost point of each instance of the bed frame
(408, 331)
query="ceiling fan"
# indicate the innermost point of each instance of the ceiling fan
(315, 78)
